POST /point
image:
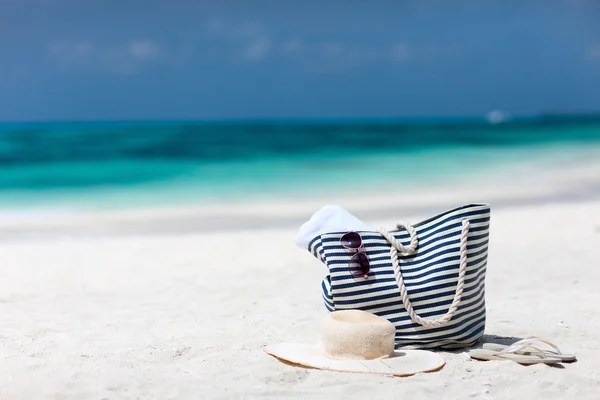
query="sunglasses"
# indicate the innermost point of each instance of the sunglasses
(359, 263)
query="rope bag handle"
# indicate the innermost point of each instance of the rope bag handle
(411, 248)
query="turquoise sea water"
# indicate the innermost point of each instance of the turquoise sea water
(127, 163)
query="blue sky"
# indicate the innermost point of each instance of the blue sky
(82, 60)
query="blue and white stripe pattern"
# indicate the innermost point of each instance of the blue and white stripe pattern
(430, 275)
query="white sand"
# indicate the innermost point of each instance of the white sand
(118, 313)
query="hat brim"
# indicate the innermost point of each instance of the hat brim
(401, 363)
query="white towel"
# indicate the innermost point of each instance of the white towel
(331, 218)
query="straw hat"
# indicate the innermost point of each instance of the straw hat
(357, 341)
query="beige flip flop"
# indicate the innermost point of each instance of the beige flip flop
(525, 351)
(529, 346)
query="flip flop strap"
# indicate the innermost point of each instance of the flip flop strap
(512, 349)
(399, 247)
(528, 341)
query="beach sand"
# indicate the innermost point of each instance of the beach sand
(178, 304)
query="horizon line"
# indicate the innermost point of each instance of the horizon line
(478, 117)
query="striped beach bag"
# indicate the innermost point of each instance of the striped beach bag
(428, 279)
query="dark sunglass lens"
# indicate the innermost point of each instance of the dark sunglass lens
(360, 266)
(351, 240)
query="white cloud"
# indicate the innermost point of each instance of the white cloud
(129, 57)
(400, 51)
(69, 49)
(593, 52)
(336, 58)
(333, 49)
(255, 44)
(293, 46)
(143, 49)
(258, 49)
(249, 29)
(215, 27)
(66, 55)
(250, 36)
(124, 58)
(72, 52)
